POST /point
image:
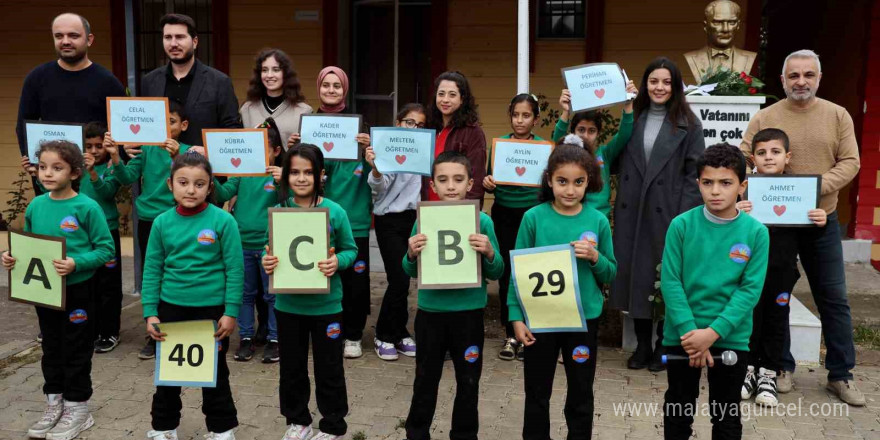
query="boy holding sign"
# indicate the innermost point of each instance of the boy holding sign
(563, 218)
(450, 320)
(770, 153)
(68, 336)
(714, 263)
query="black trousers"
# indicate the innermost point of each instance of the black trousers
(460, 334)
(108, 293)
(68, 344)
(579, 359)
(143, 236)
(725, 383)
(325, 332)
(507, 221)
(392, 233)
(217, 404)
(356, 292)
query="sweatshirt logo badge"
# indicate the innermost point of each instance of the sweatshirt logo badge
(110, 264)
(472, 354)
(269, 186)
(78, 316)
(740, 253)
(334, 330)
(359, 171)
(783, 299)
(600, 161)
(207, 237)
(581, 354)
(360, 266)
(69, 224)
(590, 237)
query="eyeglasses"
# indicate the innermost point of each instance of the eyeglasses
(411, 123)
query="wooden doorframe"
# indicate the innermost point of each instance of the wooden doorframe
(330, 32)
(118, 48)
(595, 34)
(220, 34)
(439, 37)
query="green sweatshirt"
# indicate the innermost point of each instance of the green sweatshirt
(346, 251)
(255, 196)
(513, 196)
(712, 276)
(102, 191)
(193, 261)
(543, 226)
(347, 186)
(456, 300)
(154, 166)
(606, 155)
(81, 222)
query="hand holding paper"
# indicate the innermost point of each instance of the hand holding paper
(328, 267)
(489, 183)
(65, 266)
(818, 216)
(8, 260)
(269, 262)
(153, 329)
(481, 244)
(416, 245)
(585, 251)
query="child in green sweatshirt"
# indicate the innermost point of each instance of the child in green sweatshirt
(587, 125)
(510, 204)
(193, 271)
(450, 320)
(68, 336)
(713, 268)
(564, 218)
(318, 317)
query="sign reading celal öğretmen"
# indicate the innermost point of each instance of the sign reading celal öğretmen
(138, 121)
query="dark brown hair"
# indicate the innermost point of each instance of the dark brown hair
(571, 154)
(677, 108)
(452, 157)
(180, 19)
(291, 87)
(194, 160)
(310, 153)
(723, 155)
(70, 153)
(466, 114)
(409, 108)
(770, 134)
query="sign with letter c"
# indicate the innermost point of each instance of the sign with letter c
(299, 237)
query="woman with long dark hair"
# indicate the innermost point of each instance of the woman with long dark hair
(658, 181)
(275, 91)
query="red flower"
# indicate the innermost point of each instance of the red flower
(743, 75)
(752, 90)
(748, 80)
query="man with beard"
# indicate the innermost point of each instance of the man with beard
(69, 89)
(822, 142)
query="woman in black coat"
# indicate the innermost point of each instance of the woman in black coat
(658, 181)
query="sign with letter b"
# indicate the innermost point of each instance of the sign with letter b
(447, 261)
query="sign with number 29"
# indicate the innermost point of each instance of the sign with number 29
(547, 287)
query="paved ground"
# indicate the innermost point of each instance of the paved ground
(379, 394)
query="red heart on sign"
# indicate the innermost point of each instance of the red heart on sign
(328, 146)
(235, 161)
(520, 171)
(400, 158)
(599, 93)
(135, 128)
(779, 209)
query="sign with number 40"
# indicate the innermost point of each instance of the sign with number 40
(188, 355)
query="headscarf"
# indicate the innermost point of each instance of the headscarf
(343, 78)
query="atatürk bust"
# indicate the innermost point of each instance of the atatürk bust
(722, 22)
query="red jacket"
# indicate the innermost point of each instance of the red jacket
(470, 141)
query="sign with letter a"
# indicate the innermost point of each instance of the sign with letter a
(447, 261)
(299, 237)
(34, 279)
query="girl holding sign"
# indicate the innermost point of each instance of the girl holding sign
(67, 334)
(194, 271)
(563, 218)
(316, 316)
(511, 203)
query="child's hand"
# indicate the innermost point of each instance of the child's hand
(744, 206)
(269, 262)
(818, 216)
(701, 360)
(8, 260)
(523, 334)
(328, 267)
(27, 166)
(275, 172)
(489, 183)
(630, 88)
(225, 327)
(565, 100)
(172, 147)
(90, 161)
(65, 266)
(697, 341)
(155, 334)
(363, 139)
(416, 245)
(481, 244)
(370, 156)
(585, 251)
(293, 139)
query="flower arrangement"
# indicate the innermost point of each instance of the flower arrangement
(724, 82)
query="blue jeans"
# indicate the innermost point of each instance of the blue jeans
(821, 255)
(253, 274)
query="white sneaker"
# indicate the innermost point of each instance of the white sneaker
(228, 435)
(54, 408)
(766, 388)
(749, 384)
(325, 436)
(162, 435)
(352, 349)
(298, 432)
(75, 418)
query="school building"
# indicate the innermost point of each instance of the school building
(392, 50)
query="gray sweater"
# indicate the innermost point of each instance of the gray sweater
(656, 114)
(394, 193)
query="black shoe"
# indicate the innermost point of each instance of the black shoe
(657, 364)
(106, 345)
(270, 353)
(245, 350)
(149, 350)
(641, 358)
(260, 338)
